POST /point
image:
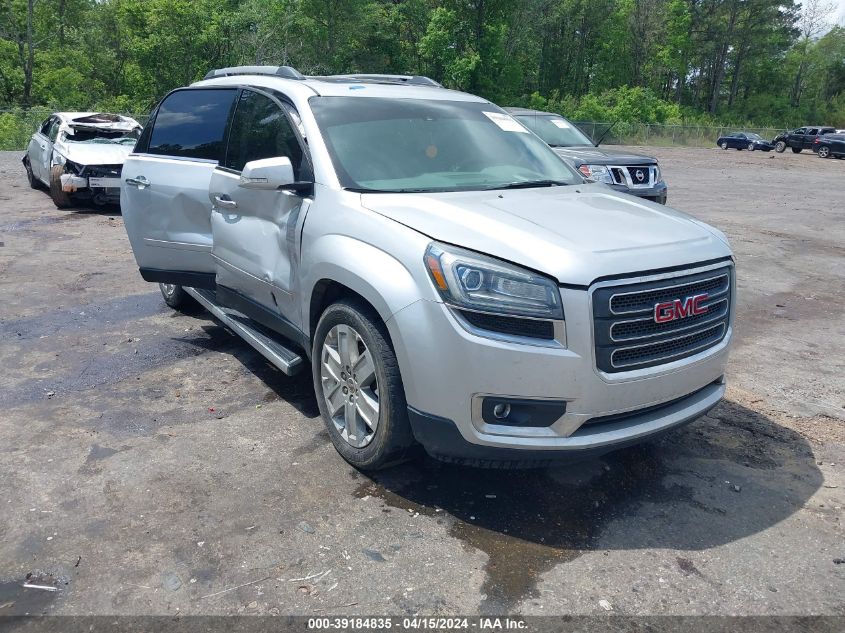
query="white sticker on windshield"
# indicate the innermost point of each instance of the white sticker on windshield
(561, 123)
(507, 123)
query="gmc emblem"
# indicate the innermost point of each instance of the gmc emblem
(680, 309)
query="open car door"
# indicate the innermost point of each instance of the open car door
(165, 181)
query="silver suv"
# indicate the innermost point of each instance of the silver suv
(450, 281)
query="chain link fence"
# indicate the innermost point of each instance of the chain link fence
(17, 125)
(666, 135)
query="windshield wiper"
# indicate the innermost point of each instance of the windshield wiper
(365, 190)
(527, 184)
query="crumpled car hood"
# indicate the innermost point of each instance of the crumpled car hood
(575, 233)
(95, 153)
(588, 155)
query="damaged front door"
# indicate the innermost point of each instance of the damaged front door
(255, 242)
(164, 193)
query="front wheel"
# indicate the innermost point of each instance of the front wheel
(60, 198)
(359, 387)
(780, 147)
(724, 145)
(796, 150)
(751, 147)
(824, 152)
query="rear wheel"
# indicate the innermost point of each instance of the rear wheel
(796, 150)
(780, 147)
(359, 387)
(60, 198)
(824, 152)
(30, 176)
(176, 297)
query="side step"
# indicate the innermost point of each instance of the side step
(268, 346)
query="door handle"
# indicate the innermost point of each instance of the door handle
(225, 202)
(139, 181)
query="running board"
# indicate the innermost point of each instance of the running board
(269, 347)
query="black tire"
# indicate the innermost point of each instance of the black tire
(60, 198)
(176, 297)
(392, 440)
(780, 147)
(824, 152)
(796, 150)
(30, 176)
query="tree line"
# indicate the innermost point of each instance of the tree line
(770, 62)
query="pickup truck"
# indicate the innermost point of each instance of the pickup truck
(801, 138)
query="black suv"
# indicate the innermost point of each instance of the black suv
(802, 138)
(627, 172)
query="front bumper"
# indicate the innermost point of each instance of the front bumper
(446, 367)
(658, 193)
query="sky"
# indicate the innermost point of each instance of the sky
(840, 13)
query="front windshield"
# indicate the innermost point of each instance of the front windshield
(555, 130)
(752, 136)
(102, 136)
(404, 145)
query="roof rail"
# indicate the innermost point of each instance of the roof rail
(286, 72)
(411, 80)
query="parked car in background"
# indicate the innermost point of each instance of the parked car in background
(78, 156)
(744, 140)
(627, 172)
(444, 276)
(830, 146)
(801, 139)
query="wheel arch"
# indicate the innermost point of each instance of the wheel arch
(349, 268)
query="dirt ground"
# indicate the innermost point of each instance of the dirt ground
(154, 464)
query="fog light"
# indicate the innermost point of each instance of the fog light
(501, 411)
(506, 411)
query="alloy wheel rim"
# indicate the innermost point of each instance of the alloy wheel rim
(349, 385)
(168, 289)
(823, 152)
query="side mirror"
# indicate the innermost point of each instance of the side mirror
(267, 173)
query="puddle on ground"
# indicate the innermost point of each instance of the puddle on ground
(527, 521)
(16, 599)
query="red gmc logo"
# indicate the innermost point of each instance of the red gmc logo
(680, 309)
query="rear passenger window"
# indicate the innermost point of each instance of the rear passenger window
(260, 129)
(192, 124)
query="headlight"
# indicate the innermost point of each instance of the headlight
(658, 175)
(475, 282)
(599, 173)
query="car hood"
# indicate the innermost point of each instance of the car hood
(587, 155)
(575, 233)
(95, 153)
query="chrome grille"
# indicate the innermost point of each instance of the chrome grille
(627, 336)
(627, 175)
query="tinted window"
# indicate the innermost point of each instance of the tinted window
(192, 124)
(800, 130)
(45, 127)
(261, 130)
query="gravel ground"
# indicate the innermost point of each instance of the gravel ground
(154, 464)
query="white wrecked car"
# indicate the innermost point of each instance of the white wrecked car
(79, 155)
